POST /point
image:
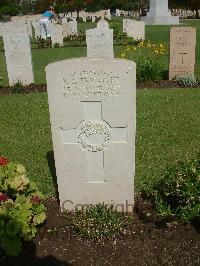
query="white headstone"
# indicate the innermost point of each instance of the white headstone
(84, 19)
(36, 26)
(29, 28)
(18, 58)
(126, 23)
(136, 30)
(57, 34)
(117, 13)
(66, 27)
(160, 14)
(92, 105)
(99, 43)
(93, 19)
(102, 24)
(74, 27)
(15, 28)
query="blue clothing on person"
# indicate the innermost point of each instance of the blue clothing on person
(47, 14)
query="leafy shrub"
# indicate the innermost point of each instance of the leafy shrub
(42, 43)
(187, 81)
(98, 222)
(148, 70)
(76, 39)
(178, 192)
(17, 87)
(56, 45)
(148, 57)
(21, 208)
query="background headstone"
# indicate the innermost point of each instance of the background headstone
(74, 27)
(36, 26)
(182, 51)
(136, 30)
(99, 43)
(66, 27)
(102, 24)
(18, 58)
(92, 105)
(57, 34)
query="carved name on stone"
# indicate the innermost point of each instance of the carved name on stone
(91, 83)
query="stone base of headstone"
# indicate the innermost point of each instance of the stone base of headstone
(162, 20)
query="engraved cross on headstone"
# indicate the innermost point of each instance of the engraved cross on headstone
(94, 136)
(182, 56)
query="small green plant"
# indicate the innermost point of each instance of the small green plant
(21, 207)
(98, 222)
(56, 45)
(148, 70)
(178, 192)
(17, 87)
(187, 81)
(75, 39)
(42, 43)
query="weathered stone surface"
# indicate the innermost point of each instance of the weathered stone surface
(136, 29)
(18, 58)
(126, 23)
(99, 43)
(57, 34)
(159, 14)
(182, 51)
(15, 28)
(36, 26)
(66, 28)
(74, 27)
(92, 105)
(102, 24)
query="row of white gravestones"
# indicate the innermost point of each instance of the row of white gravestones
(100, 41)
(18, 58)
(134, 29)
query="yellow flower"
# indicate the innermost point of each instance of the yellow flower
(161, 45)
(123, 55)
(141, 44)
(148, 45)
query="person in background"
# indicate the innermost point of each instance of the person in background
(45, 23)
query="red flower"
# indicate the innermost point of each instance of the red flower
(3, 161)
(35, 199)
(3, 197)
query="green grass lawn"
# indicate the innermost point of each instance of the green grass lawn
(42, 57)
(167, 130)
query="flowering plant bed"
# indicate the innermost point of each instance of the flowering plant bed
(21, 207)
(147, 239)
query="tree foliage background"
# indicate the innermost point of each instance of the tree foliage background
(11, 7)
